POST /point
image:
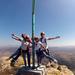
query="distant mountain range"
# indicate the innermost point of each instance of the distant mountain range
(64, 55)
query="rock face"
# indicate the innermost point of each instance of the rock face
(61, 70)
(27, 71)
(5, 68)
(56, 69)
(51, 68)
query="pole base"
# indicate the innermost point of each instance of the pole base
(28, 71)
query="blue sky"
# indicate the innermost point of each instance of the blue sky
(55, 17)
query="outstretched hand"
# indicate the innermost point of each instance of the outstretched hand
(15, 37)
(57, 36)
(12, 34)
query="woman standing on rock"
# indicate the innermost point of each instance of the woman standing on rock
(23, 50)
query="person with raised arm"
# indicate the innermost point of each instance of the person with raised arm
(40, 51)
(44, 39)
(23, 50)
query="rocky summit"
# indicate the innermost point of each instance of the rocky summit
(50, 68)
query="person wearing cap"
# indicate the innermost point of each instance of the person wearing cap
(23, 50)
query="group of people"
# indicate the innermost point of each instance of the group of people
(40, 47)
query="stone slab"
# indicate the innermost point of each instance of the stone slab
(27, 71)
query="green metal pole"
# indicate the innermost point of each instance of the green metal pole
(33, 32)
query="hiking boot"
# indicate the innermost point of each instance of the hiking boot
(12, 63)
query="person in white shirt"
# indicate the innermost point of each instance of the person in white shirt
(23, 50)
(37, 48)
(41, 52)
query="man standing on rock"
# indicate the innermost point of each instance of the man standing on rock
(43, 40)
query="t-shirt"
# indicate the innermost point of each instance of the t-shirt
(38, 45)
(44, 42)
(24, 45)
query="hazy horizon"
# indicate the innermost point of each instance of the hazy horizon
(68, 46)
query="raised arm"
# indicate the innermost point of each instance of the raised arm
(15, 37)
(53, 38)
